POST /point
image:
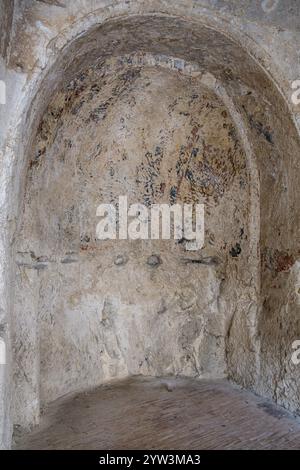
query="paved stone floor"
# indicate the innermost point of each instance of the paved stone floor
(152, 413)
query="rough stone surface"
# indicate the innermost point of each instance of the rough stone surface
(112, 97)
(158, 137)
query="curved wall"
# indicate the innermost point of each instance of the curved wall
(262, 324)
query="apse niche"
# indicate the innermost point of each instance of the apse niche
(161, 122)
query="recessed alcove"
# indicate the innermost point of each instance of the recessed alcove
(165, 110)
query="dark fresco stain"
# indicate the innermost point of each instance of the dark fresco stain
(236, 250)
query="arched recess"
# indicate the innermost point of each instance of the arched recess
(253, 331)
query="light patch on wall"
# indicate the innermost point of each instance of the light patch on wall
(2, 352)
(296, 353)
(269, 5)
(296, 94)
(2, 92)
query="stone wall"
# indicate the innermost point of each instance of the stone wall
(106, 98)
